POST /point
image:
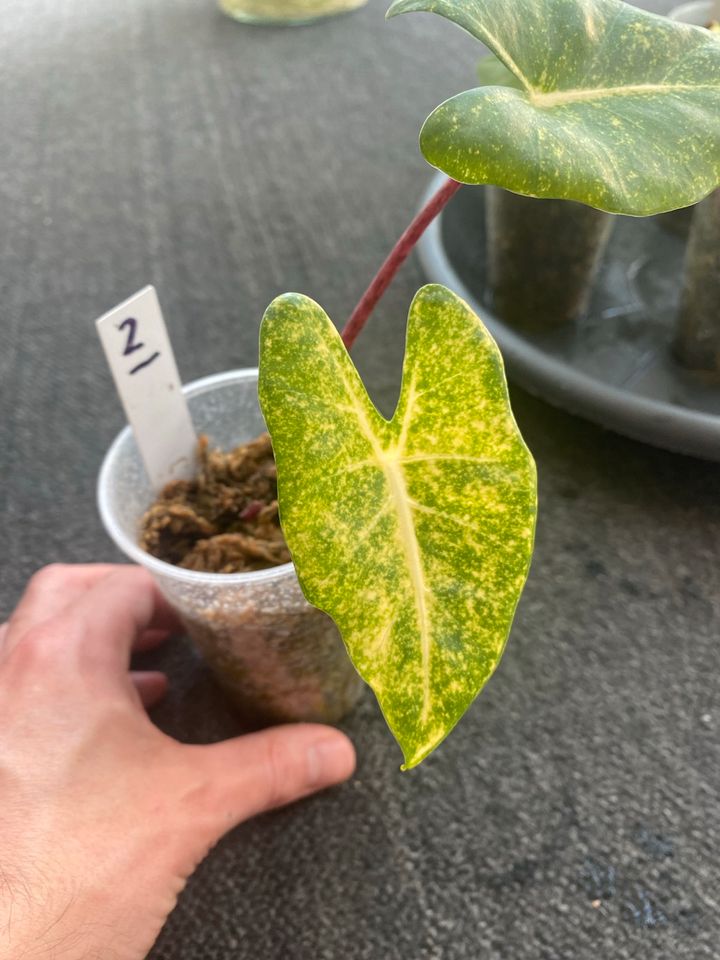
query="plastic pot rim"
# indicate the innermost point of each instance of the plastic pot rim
(130, 547)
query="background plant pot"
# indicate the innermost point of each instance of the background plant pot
(615, 364)
(287, 12)
(697, 345)
(278, 657)
(542, 257)
(698, 332)
(699, 13)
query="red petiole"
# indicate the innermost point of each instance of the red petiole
(398, 255)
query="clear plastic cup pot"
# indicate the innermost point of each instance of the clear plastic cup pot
(278, 657)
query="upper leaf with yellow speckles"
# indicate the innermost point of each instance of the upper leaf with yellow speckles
(414, 534)
(610, 105)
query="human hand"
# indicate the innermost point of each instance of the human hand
(102, 816)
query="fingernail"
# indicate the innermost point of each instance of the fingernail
(330, 760)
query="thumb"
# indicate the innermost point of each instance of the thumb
(260, 771)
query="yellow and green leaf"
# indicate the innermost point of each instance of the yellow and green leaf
(599, 102)
(414, 534)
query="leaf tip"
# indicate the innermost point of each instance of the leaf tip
(288, 308)
(285, 300)
(394, 9)
(434, 291)
(436, 294)
(417, 752)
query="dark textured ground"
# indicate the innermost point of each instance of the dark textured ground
(575, 812)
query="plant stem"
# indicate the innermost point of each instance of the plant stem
(398, 255)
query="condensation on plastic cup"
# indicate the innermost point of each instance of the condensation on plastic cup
(277, 656)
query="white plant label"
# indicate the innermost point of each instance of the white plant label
(138, 350)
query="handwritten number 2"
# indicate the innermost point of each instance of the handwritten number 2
(130, 345)
(130, 323)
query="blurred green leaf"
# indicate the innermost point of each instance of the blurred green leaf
(610, 105)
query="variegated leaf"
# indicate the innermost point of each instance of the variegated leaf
(414, 534)
(610, 105)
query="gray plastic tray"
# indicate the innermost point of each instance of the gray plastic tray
(613, 367)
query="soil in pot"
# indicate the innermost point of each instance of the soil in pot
(542, 258)
(697, 344)
(225, 520)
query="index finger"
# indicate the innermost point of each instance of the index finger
(100, 626)
(52, 588)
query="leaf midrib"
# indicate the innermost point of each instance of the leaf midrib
(560, 97)
(398, 493)
(500, 51)
(389, 462)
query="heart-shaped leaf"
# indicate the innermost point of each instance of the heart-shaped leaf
(617, 108)
(414, 534)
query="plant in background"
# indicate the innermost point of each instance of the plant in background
(697, 339)
(415, 534)
(602, 103)
(697, 343)
(573, 107)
